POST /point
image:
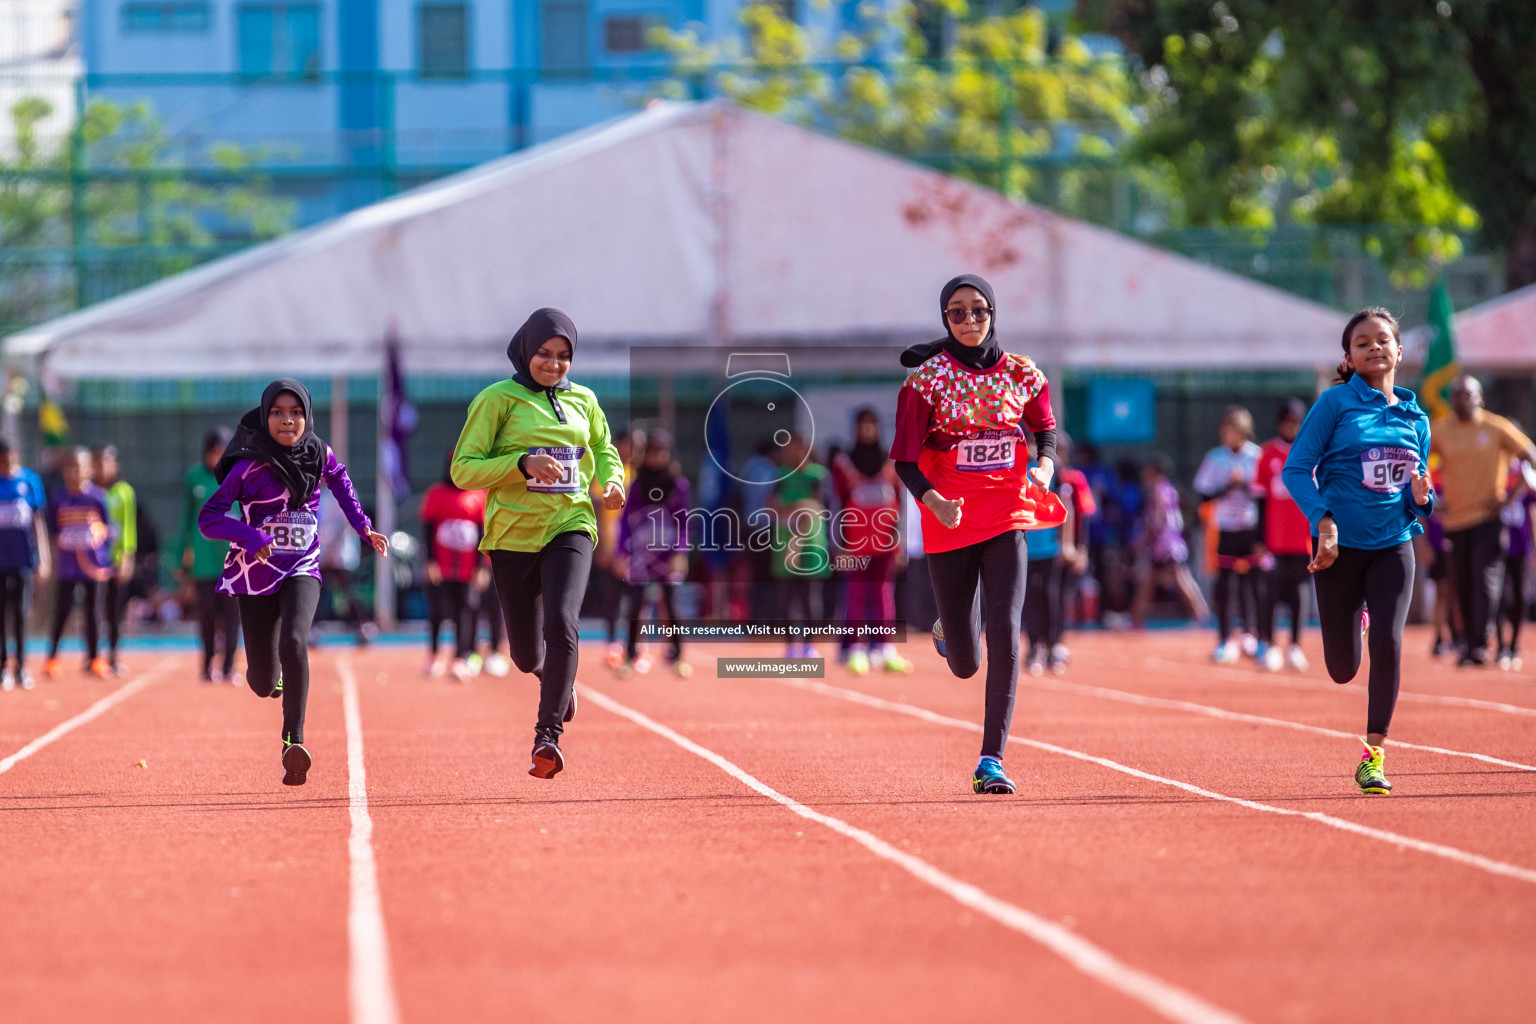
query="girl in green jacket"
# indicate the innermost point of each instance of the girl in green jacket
(535, 444)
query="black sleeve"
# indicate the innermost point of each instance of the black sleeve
(1263, 526)
(1045, 445)
(914, 479)
(429, 539)
(520, 469)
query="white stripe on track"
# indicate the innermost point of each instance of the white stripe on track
(1475, 860)
(1155, 994)
(150, 676)
(370, 987)
(1108, 693)
(1237, 675)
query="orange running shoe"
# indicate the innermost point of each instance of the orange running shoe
(51, 668)
(100, 668)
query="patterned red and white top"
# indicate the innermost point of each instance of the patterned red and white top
(964, 429)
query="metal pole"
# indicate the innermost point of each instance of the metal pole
(384, 517)
(339, 414)
(77, 232)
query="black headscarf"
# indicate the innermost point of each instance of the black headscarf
(979, 357)
(299, 466)
(654, 486)
(540, 326)
(868, 459)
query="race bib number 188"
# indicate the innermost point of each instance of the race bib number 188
(989, 450)
(570, 470)
(1388, 470)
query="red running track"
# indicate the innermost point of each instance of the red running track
(1187, 845)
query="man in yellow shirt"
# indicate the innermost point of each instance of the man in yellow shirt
(1475, 447)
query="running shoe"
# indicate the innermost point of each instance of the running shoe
(1249, 644)
(51, 668)
(1055, 664)
(24, 678)
(1061, 653)
(116, 667)
(682, 668)
(1368, 774)
(643, 664)
(296, 762)
(990, 778)
(938, 639)
(858, 663)
(894, 662)
(625, 670)
(570, 709)
(476, 663)
(1036, 663)
(547, 759)
(1440, 648)
(7, 680)
(99, 667)
(461, 670)
(498, 665)
(234, 678)
(615, 655)
(434, 667)
(1274, 658)
(1295, 659)
(1226, 653)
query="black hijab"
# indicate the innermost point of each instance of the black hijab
(868, 459)
(654, 486)
(299, 466)
(540, 326)
(979, 357)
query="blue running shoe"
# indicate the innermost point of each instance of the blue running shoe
(938, 639)
(990, 778)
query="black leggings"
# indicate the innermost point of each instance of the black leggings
(113, 601)
(1512, 607)
(1282, 585)
(666, 610)
(1044, 603)
(490, 609)
(1247, 601)
(541, 593)
(63, 604)
(998, 565)
(1478, 567)
(276, 628)
(1380, 581)
(13, 615)
(449, 601)
(218, 617)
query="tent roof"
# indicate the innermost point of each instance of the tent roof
(692, 224)
(1499, 333)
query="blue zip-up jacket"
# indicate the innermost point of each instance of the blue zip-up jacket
(1364, 452)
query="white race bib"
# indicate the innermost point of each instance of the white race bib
(15, 514)
(570, 470)
(81, 536)
(1387, 470)
(873, 494)
(291, 531)
(987, 451)
(457, 535)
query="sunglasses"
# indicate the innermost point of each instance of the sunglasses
(960, 316)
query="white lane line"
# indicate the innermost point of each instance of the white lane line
(1157, 995)
(370, 986)
(96, 710)
(1107, 693)
(1475, 860)
(1321, 686)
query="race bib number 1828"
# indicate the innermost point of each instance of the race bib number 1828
(986, 451)
(1388, 470)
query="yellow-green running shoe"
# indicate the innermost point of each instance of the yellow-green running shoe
(1368, 774)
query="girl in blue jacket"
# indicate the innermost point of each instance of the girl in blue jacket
(1367, 442)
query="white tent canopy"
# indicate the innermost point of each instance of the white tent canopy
(693, 224)
(1500, 333)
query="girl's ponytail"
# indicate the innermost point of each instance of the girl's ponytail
(1342, 373)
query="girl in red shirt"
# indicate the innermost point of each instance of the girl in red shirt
(452, 521)
(959, 449)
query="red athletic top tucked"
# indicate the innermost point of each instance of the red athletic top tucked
(1286, 530)
(963, 429)
(454, 519)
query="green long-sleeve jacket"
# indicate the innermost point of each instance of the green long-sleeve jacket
(509, 420)
(207, 554)
(122, 520)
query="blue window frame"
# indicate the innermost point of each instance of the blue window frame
(279, 40)
(442, 31)
(629, 34)
(182, 16)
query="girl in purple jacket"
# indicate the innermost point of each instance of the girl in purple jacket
(273, 468)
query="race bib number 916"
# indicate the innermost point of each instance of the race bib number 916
(290, 531)
(570, 470)
(1388, 470)
(987, 451)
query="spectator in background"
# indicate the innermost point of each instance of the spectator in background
(865, 482)
(202, 560)
(801, 555)
(82, 558)
(340, 554)
(1225, 478)
(760, 474)
(23, 550)
(612, 588)
(1475, 449)
(452, 522)
(1076, 491)
(1519, 517)
(1164, 552)
(123, 527)
(1044, 610)
(652, 552)
(1286, 542)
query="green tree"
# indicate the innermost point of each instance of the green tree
(1008, 105)
(119, 182)
(1411, 118)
